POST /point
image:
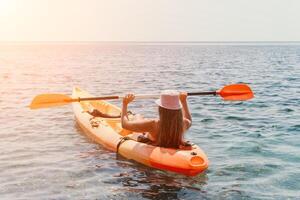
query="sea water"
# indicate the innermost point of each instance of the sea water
(253, 146)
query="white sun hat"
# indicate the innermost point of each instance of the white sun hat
(169, 99)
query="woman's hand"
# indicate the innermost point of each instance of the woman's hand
(128, 98)
(183, 96)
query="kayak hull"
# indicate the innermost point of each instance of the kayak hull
(109, 133)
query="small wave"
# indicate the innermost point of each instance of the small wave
(207, 120)
(287, 110)
(238, 118)
(294, 128)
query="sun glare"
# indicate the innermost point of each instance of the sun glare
(6, 7)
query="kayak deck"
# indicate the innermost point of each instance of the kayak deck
(109, 133)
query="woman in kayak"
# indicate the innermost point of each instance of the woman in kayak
(168, 130)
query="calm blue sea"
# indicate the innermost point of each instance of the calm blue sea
(253, 146)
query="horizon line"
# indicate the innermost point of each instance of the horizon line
(129, 41)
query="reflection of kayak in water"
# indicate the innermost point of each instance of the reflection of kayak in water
(109, 133)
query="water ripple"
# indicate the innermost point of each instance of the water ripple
(253, 146)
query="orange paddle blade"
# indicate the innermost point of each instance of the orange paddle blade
(49, 100)
(236, 92)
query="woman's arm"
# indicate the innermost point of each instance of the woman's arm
(138, 125)
(185, 109)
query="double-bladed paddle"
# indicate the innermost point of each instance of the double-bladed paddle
(235, 92)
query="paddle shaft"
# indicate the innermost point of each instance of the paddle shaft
(144, 96)
(201, 93)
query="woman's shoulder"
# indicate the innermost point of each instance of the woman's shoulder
(154, 123)
(150, 120)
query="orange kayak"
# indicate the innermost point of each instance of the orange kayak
(109, 133)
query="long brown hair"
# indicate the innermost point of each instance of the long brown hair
(170, 132)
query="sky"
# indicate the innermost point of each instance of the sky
(149, 20)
